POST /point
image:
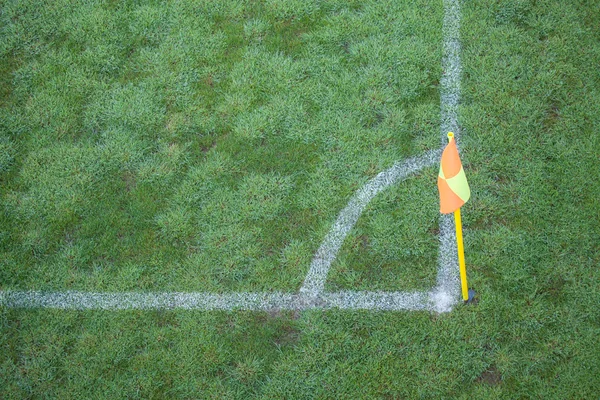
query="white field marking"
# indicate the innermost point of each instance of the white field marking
(441, 298)
(73, 300)
(134, 300)
(451, 71)
(445, 294)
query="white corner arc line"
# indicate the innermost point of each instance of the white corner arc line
(314, 282)
(440, 298)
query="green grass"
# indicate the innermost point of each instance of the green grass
(209, 146)
(202, 146)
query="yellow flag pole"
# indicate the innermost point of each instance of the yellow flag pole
(460, 247)
(461, 256)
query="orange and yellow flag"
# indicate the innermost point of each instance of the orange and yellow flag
(452, 181)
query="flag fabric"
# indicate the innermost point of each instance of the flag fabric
(452, 181)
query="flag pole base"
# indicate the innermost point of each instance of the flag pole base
(472, 294)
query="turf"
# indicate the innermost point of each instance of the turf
(208, 146)
(203, 146)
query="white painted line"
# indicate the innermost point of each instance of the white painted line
(451, 71)
(134, 300)
(312, 296)
(319, 268)
(351, 300)
(73, 300)
(445, 294)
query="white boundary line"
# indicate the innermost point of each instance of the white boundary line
(73, 300)
(441, 298)
(448, 285)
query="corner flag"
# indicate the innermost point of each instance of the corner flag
(454, 192)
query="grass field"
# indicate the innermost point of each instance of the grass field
(210, 145)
